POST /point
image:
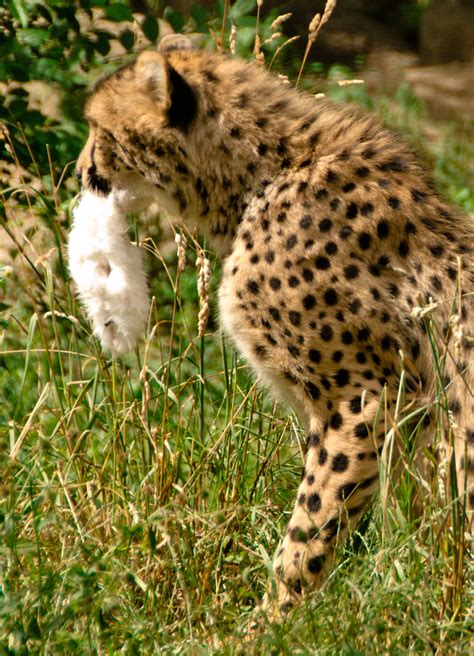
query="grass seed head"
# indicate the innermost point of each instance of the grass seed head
(232, 39)
(181, 244)
(204, 276)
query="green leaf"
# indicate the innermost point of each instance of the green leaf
(102, 45)
(18, 108)
(44, 69)
(200, 16)
(19, 11)
(242, 8)
(174, 18)
(150, 28)
(118, 12)
(32, 37)
(127, 39)
(86, 4)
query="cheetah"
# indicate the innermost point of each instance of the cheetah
(342, 267)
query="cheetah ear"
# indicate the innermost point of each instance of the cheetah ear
(168, 87)
(153, 70)
(175, 42)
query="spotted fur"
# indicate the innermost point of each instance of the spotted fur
(332, 236)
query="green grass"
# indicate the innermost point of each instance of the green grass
(141, 500)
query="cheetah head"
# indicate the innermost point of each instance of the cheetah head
(138, 117)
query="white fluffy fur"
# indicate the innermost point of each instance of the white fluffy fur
(108, 271)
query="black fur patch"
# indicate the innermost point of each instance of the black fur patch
(183, 102)
(96, 182)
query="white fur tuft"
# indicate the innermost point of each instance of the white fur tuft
(108, 271)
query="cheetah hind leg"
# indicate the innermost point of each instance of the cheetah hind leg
(340, 476)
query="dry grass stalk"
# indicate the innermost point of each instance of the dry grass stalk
(273, 37)
(284, 78)
(328, 9)
(280, 48)
(279, 20)
(224, 19)
(315, 25)
(181, 244)
(313, 28)
(348, 83)
(232, 38)
(257, 48)
(204, 276)
(217, 40)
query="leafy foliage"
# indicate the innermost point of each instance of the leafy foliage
(56, 43)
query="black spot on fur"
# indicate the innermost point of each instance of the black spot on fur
(306, 221)
(337, 356)
(298, 535)
(367, 209)
(314, 502)
(330, 297)
(361, 431)
(355, 405)
(347, 337)
(323, 456)
(312, 440)
(351, 272)
(275, 283)
(336, 421)
(326, 333)
(437, 250)
(346, 490)
(403, 248)
(314, 355)
(322, 263)
(393, 202)
(309, 302)
(382, 229)
(315, 564)
(342, 377)
(362, 172)
(340, 463)
(364, 240)
(295, 317)
(313, 390)
(325, 225)
(291, 242)
(396, 164)
(348, 187)
(352, 211)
